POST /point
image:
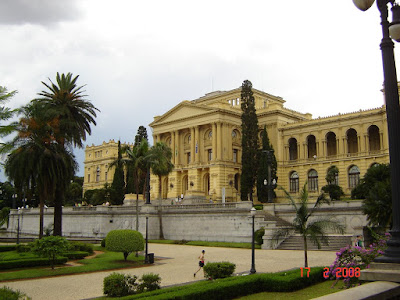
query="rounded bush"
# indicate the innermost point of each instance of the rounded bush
(103, 243)
(217, 270)
(125, 241)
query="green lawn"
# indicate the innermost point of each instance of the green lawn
(106, 261)
(206, 244)
(318, 290)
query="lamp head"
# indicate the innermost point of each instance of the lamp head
(253, 211)
(363, 4)
(394, 28)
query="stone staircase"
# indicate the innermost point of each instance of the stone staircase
(295, 242)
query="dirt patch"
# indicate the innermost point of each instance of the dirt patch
(75, 263)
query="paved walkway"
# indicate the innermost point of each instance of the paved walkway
(178, 267)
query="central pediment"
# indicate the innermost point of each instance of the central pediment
(184, 110)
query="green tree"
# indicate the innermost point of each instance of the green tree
(125, 241)
(141, 134)
(4, 216)
(38, 160)
(66, 102)
(249, 141)
(160, 162)
(262, 172)
(51, 247)
(315, 230)
(376, 187)
(118, 183)
(5, 112)
(334, 190)
(138, 161)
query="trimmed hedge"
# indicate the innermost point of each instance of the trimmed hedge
(5, 248)
(26, 263)
(75, 254)
(80, 246)
(233, 287)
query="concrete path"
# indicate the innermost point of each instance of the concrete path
(178, 267)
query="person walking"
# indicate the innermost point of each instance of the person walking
(201, 262)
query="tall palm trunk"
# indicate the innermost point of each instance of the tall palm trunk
(160, 210)
(58, 201)
(305, 251)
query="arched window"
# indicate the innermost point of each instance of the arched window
(373, 138)
(352, 143)
(294, 182)
(313, 181)
(292, 149)
(331, 144)
(354, 176)
(237, 181)
(311, 146)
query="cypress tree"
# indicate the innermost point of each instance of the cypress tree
(141, 134)
(249, 141)
(118, 184)
(262, 172)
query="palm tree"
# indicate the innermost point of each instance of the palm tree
(160, 162)
(315, 230)
(138, 161)
(66, 102)
(37, 159)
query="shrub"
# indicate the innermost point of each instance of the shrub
(334, 191)
(20, 248)
(31, 262)
(125, 241)
(234, 287)
(50, 247)
(103, 243)
(219, 269)
(149, 282)
(352, 257)
(79, 246)
(9, 294)
(75, 254)
(5, 248)
(118, 285)
(258, 236)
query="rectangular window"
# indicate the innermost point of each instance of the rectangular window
(209, 154)
(88, 178)
(235, 155)
(188, 158)
(294, 185)
(353, 180)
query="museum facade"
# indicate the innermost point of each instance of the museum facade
(205, 138)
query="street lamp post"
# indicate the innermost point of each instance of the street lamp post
(148, 187)
(19, 214)
(253, 267)
(146, 258)
(390, 31)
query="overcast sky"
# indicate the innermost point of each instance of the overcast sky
(138, 59)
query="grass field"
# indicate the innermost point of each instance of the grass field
(318, 290)
(105, 261)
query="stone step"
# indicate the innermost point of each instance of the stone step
(296, 243)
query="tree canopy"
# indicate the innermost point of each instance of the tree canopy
(249, 141)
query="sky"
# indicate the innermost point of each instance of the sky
(138, 59)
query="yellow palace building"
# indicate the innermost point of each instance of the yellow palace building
(205, 138)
